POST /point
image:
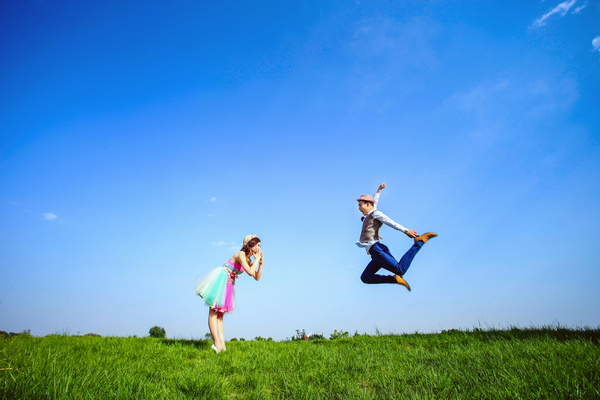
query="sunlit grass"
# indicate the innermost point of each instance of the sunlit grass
(492, 364)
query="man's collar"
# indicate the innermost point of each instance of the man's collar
(365, 216)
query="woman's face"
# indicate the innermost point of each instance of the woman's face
(256, 248)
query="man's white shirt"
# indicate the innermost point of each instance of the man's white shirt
(384, 219)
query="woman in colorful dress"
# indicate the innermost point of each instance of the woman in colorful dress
(217, 287)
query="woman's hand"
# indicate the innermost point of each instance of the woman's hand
(382, 186)
(258, 259)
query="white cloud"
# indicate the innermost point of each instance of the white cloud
(500, 103)
(213, 199)
(233, 246)
(562, 9)
(50, 216)
(389, 41)
(596, 43)
(578, 9)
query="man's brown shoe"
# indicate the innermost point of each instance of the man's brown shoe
(425, 237)
(402, 282)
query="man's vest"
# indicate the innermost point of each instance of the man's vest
(370, 228)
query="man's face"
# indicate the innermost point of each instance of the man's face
(364, 207)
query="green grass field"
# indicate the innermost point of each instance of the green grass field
(534, 363)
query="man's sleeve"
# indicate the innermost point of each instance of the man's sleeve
(388, 221)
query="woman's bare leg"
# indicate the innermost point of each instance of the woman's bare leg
(221, 331)
(213, 326)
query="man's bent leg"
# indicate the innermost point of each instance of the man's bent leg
(381, 255)
(407, 258)
(369, 275)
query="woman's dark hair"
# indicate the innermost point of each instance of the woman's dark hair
(246, 248)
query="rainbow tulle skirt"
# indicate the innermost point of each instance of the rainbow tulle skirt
(216, 288)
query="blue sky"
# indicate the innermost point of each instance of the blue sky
(142, 140)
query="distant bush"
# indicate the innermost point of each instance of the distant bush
(158, 332)
(25, 333)
(302, 335)
(262, 339)
(93, 335)
(339, 335)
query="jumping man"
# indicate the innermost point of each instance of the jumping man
(380, 254)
